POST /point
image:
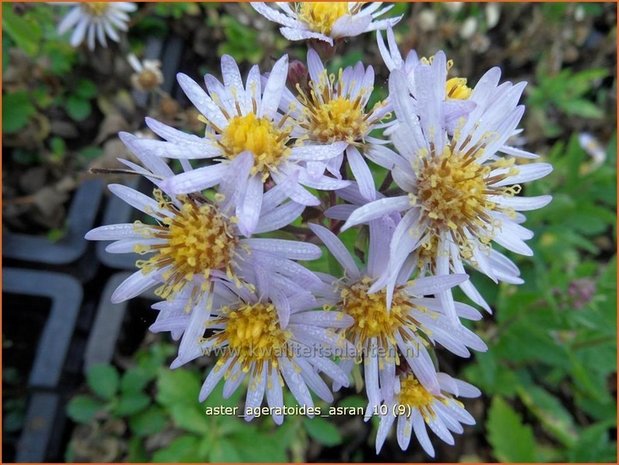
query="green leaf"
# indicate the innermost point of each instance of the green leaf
(58, 146)
(582, 108)
(78, 108)
(182, 449)
(265, 447)
(555, 418)
(190, 418)
(86, 89)
(322, 431)
(511, 440)
(90, 153)
(16, 111)
(82, 409)
(177, 387)
(131, 403)
(25, 32)
(103, 380)
(148, 422)
(594, 445)
(134, 380)
(225, 450)
(136, 452)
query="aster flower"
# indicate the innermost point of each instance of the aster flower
(415, 407)
(147, 75)
(325, 21)
(246, 332)
(96, 21)
(333, 109)
(196, 241)
(248, 138)
(460, 190)
(456, 102)
(387, 339)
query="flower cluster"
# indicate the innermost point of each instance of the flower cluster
(271, 151)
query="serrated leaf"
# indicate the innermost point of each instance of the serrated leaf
(555, 418)
(511, 440)
(322, 431)
(103, 380)
(225, 450)
(190, 418)
(134, 380)
(265, 447)
(183, 449)
(83, 408)
(594, 445)
(177, 387)
(131, 403)
(148, 422)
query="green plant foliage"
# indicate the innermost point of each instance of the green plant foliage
(103, 380)
(512, 441)
(240, 41)
(24, 31)
(17, 109)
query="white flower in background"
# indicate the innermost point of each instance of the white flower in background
(593, 148)
(147, 74)
(196, 242)
(414, 407)
(248, 138)
(460, 191)
(333, 109)
(326, 21)
(246, 332)
(95, 21)
(387, 340)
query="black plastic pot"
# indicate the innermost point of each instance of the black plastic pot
(114, 323)
(49, 303)
(69, 253)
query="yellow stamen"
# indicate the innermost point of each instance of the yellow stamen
(259, 136)
(414, 395)
(329, 117)
(373, 319)
(95, 8)
(321, 16)
(453, 191)
(456, 88)
(253, 335)
(198, 239)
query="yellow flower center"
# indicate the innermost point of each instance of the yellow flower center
(413, 394)
(328, 116)
(198, 240)
(259, 136)
(453, 191)
(339, 119)
(373, 319)
(253, 334)
(95, 8)
(456, 88)
(321, 16)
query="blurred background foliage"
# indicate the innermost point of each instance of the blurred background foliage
(549, 377)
